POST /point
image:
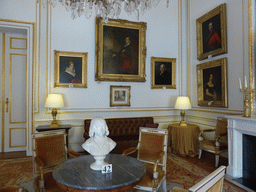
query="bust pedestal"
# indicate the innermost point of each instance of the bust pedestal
(99, 162)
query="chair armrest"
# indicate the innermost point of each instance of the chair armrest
(207, 130)
(38, 162)
(178, 189)
(74, 154)
(130, 151)
(159, 156)
(200, 138)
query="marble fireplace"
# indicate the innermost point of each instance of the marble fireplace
(241, 150)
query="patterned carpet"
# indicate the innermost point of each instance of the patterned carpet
(180, 172)
(16, 171)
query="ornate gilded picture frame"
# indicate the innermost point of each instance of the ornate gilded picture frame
(120, 50)
(212, 33)
(70, 69)
(120, 95)
(163, 73)
(212, 88)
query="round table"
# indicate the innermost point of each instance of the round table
(76, 175)
(184, 139)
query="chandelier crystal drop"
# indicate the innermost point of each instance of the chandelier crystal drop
(104, 8)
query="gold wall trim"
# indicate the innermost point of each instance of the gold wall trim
(226, 112)
(3, 92)
(202, 118)
(17, 21)
(39, 63)
(181, 64)
(188, 47)
(47, 49)
(10, 87)
(251, 51)
(10, 136)
(12, 38)
(98, 110)
(43, 121)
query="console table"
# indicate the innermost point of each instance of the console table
(41, 128)
(184, 139)
(76, 175)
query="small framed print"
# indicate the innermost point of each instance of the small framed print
(163, 73)
(212, 33)
(212, 88)
(119, 95)
(70, 69)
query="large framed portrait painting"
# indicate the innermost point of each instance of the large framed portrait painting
(120, 50)
(163, 73)
(70, 69)
(212, 33)
(212, 83)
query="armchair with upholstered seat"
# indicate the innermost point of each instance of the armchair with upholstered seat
(219, 144)
(211, 183)
(49, 150)
(152, 151)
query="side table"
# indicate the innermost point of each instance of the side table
(41, 128)
(184, 139)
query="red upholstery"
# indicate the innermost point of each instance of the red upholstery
(124, 131)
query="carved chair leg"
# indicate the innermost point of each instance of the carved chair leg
(199, 153)
(217, 157)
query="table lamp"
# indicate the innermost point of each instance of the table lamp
(54, 101)
(182, 103)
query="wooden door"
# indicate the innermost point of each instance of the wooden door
(14, 90)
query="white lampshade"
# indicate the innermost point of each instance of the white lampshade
(182, 102)
(54, 101)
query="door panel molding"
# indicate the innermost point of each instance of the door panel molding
(31, 51)
(14, 98)
(16, 142)
(18, 42)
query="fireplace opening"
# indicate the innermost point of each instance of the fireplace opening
(249, 162)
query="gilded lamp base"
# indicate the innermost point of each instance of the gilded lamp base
(54, 124)
(183, 124)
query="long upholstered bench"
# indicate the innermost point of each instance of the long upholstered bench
(124, 131)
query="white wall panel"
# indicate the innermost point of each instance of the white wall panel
(22, 10)
(65, 34)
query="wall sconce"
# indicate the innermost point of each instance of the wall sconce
(54, 101)
(182, 103)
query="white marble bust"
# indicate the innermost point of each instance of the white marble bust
(98, 144)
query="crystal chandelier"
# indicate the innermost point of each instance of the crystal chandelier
(104, 8)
